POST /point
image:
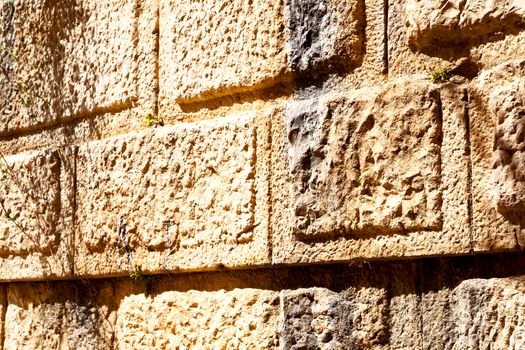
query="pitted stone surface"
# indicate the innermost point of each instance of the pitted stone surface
(373, 172)
(236, 319)
(366, 164)
(508, 105)
(243, 42)
(318, 318)
(31, 198)
(176, 190)
(66, 316)
(36, 201)
(70, 59)
(496, 122)
(325, 34)
(438, 22)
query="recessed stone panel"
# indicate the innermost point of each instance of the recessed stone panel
(65, 58)
(497, 107)
(186, 193)
(371, 173)
(366, 163)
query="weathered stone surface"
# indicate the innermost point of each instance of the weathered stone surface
(366, 163)
(209, 48)
(251, 46)
(318, 318)
(188, 196)
(325, 34)
(476, 314)
(67, 58)
(60, 316)
(236, 319)
(36, 202)
(439, 22)
(498, 186)
(464, 37)
(363, 175)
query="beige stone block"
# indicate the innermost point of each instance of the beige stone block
(497, 104)
(462, 36)
(210, 49)
(371, 173)
(68, 60)
(445, 22)
(36, 203)
(188, 196)
(234, 319)
(476, 314)
(63, 315)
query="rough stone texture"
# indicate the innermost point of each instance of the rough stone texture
(496, 122)
(252, 45)
(66, 316)
(36, 202)
(366, 163)
(462, 36)
(68, 59)
(236, 319)
(325, 34)
(318, 318)
(365, 175)
(189, 196)
(450, 22)
(210, 48)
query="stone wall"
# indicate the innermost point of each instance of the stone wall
(263, 174)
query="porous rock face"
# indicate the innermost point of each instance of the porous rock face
(263, 174)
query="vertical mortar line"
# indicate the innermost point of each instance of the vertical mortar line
(269, 238)
(468, 154)
(74, 214)
(4, 314)
(420, 282)
(385, 36)
(156, 50)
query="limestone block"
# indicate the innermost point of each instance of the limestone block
(498, 185)
(364, 174)
(189, 196)
(477, 314)
(65, 59)
(236, 319)
(464, 37)
(325, 33)
(36, 202)
(210, 49)
(61, 315)
(438, 22)
(318, 318)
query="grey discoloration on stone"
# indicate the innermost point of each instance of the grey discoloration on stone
(508, 174)
(318, 318)
(314, 319)
(324, 33)
(367, 163)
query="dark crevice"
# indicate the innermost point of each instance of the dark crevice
(468, 154)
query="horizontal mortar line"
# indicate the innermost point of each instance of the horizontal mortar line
(282, 275)
(67, 121)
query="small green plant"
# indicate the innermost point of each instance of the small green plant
(438, 75)
(153, 120)
(138, 276)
